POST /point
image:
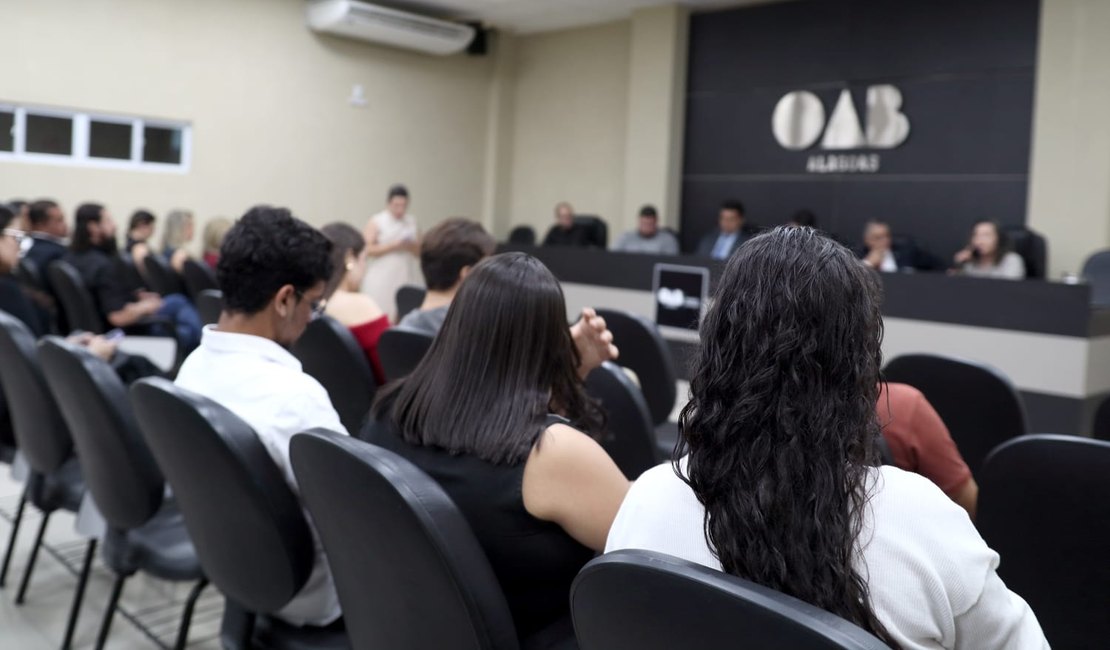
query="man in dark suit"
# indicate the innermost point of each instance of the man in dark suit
(729, 235)
(881, 252)
(566, 232)
(48, 232)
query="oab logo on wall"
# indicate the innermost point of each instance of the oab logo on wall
(799, 122)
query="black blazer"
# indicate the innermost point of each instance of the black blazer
(908, 256)
(42, 253)
(705, 246)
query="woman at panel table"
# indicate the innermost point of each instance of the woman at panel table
(356, 311)
(988, 254)
(778, 482)
(495, 412)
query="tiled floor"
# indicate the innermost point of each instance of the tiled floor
(39, 623)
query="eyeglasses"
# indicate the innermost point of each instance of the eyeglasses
(317, 307)
(17, 235)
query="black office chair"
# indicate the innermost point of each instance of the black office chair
(247, 525)
(1033, 249)
(409, 571)
(980, 406)
(409, 297)
(162, 277)
(198, 278)
(629, 435)
(55, 481)
(329, 352)
(597, 229)
(400, 349)
(1043, 507)
(644, 352)
(631, 600)
(145, 533)
(74, 298)
(1096, 271)
(210, 303)
(524, 235)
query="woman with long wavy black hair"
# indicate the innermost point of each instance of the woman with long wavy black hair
(778, 482)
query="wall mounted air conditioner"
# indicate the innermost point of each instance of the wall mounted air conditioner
(386, 26)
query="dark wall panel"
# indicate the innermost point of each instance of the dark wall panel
(965, 70)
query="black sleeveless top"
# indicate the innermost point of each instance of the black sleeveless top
(534, 560)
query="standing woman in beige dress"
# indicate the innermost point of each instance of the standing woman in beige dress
(393, 248)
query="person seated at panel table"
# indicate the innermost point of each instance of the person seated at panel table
(777, 479)
(920, 443)
(804, 218)
(648, 237)
(988, 254)
(882, 253)
(496, 413)
(48, 236)
(729, 235)
(121, 304)
(273, 269)
(447, 254)
(345, 301)
(566, 232)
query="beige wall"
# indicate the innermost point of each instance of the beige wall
(268, 102)
(1069, 187)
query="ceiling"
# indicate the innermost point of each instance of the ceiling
(526, 16)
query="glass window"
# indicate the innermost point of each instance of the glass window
(7, 123)
(109, 140)
(162, 145)
(49, 134)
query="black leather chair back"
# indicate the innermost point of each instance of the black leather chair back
(409, 572)
(409, 297)
(644, 352)
(28, 274)
(629, 434)
(1096, 271)
(525, 235)
(1043, 507)
(37, 423)
(245, 522)
(1100, 428)
(329, 352)
(1033, 249)
(210, 303)
(198, 278)
(119, 471)
(632, 600)
(400, 349)
(596, 227)
(161, 276)
(979, 405)
(76, 302)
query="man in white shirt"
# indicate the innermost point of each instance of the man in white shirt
(647, 238)
(272, 270)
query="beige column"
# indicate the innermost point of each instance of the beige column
(500, 124)
(1069, 184)
(656, 114)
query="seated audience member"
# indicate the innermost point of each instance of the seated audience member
(48, 236)
(178, 233)
(882, 253)
(920, 443)
(803, 218)
(139, 231)
(447, 254)
(121, 304)
(22, 211)
(273, 268)
(511, 442)
(213, 236)
(729, 235)
(777, 482)
(648, 238)
(566, 232)
(988, 255)
(345, 303)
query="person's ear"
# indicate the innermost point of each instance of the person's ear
(285, 300)
(463, 272)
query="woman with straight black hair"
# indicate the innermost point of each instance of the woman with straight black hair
(777, 482)
(495, 412)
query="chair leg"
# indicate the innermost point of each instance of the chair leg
(187, 617)
(79, 595)
(110, 612)
(11, 540)
(31, 560)
(236, 627)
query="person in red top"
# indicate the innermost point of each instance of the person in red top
(345, 303)
(920, 443)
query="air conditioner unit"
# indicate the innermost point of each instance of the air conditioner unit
(378, 24)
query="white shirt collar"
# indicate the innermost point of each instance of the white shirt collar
(235, 343)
